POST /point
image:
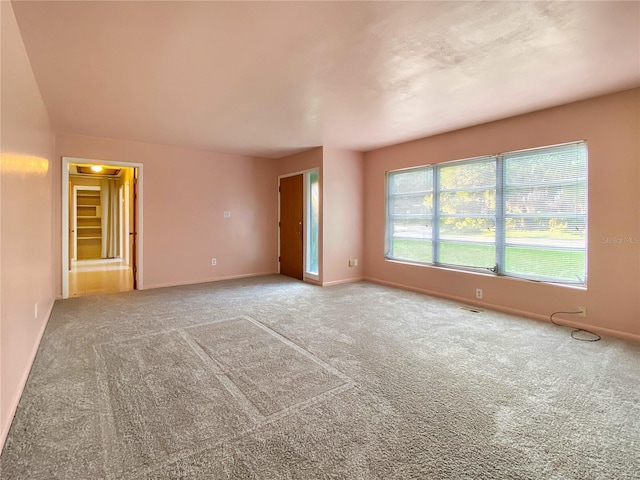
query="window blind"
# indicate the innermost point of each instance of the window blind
(545, 213)
(521, 214)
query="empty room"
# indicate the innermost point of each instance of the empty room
(320, 240)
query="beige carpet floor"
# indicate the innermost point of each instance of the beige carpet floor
(269, 378)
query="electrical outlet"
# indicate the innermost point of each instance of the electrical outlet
(227, 214)
(479, 293)
(583, 312)
(213, 262)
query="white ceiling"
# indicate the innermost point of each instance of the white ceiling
(272, 78)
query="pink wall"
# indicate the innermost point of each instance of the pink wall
(299, 162)
(185, 194)
(611, 126)
(26, 219)
(341, 207)
(343, 192)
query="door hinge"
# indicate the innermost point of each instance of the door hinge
(279, 189)
(279, 259)
(135, 270)
(279, 224)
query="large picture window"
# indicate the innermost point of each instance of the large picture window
(521, 214)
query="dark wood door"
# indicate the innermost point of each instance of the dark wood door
(291, 227)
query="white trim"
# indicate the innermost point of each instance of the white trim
(210, 280)
(66, 161)
(299, 172)
(343, 281)
(511, 311)
(307, 225)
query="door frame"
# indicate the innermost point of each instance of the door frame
(306, 276)
(138, 227)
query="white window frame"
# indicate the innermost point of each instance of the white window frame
(500, 241)
(308, 226)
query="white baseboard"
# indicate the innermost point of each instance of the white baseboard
(340, 282)
(208, 280)
(512, 311)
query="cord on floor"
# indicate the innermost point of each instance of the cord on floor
(595, 337)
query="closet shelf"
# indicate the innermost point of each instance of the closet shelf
(88, 223)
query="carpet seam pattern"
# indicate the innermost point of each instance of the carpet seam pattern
(259, 420)
(247, 405)
(186, 453)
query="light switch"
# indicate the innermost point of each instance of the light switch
(227, 214)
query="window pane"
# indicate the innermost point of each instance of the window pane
(467, 254)
(474, 202)
(547, 231)
(412, 228)
(547, 165)
(313, 214)
(468, 242)
(412, 204)
(552, 264)
(411, 239)
(546, 213)
(571, 198)
(413, 249)
(411, 181)
(469, 229)
(409, 207)
(467, 208)
(481, 173)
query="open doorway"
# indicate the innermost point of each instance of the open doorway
(101, 221)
